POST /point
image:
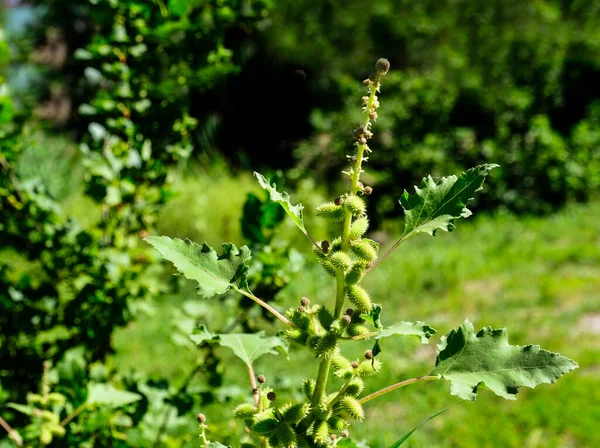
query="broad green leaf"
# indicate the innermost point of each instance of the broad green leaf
(247, 347)
(420, 329)
(22, 408)
(467, 360)
(294, 211)
(405, 437)
(435, 205)
(374, 317)
(214, 273)
(106, 394)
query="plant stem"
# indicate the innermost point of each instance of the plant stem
(265, 305)
(12, 434)
(203, 435)
(385, 390)
(387, 253)
(254, 385)
(75, 413)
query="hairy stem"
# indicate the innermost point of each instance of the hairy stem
(321, 381)
(75, 413)
(385, 390)
(266, 306)
(387, 253)
(254, 385)
(12, 434)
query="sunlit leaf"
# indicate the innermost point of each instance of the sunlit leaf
(294, 211)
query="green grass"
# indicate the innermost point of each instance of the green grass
(540, 277)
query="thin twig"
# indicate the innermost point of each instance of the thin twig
(12, 434)
(387, 253)
(266, 306)
(385, 390)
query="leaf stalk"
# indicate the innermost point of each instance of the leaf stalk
(393, 387)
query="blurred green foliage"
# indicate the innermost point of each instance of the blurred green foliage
(472, 82)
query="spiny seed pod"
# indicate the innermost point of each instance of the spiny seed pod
(321, 433)
(338, 201)
(201, 418)
(368, 190)
(300, 320)
(354, 364)
(244, 411)
(326, 346)
(356, 330)
(332, 212)
(339, 362)
(364, 251)
(359, 298)
(271, 396)
(340, 261)
(368, 354)
(359, 227)
(265, 426)
(295, 414)
(354, 205)
(261, 379)
(352, 407)
(345, 433)
(346, 319)
(308, 387)
(325, 317)
(382, 66)
(285, 437)
(305, 301)
(329, 267)
(337, 424)
(325, 246)
(369, 368)
(336, 245)
(295, 335)
(322, 412)
(355, 273)
(355, 387)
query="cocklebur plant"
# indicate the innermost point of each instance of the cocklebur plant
(466, 358)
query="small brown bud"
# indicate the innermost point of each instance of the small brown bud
(358, 132)
(367, 83)
(365, 99)
(301, 309)
(201, 418)
(373, 115)
(271, 396)
(362, 141)
(345, 434)
(347, 319)
(360, 185)
(143, 234)
(338, 201)
(382, 66)
(368, 134)
(305, 301)
(333, 437)
(261, 379)
(324, 247)
(354, 364)
(368, 354)
(368, 190)
(373, 77)
(349, 312)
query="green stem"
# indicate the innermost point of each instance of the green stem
(203, 435)
(265, 305)
(385, 390)
(75, 413)
(12, 434)
(387, 253)
(321, 381)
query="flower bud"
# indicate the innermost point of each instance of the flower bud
(365, 100)
(201, 418)
(368, 354)
(261, 379)
(358, 132)
(301, 309)
(338, 201)
(354, 159)
(349, 312)
(368, 190)
(362, 141)
(271, 396)
(373, 78)
(367, 83)
(373, 115)
(354, 364)
(346, 319)
(305, 301)
(345, 434)
(325, 246)
(382, 66)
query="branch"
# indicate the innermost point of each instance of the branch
(265, 305)
(75, 413)
(385, 390)
(12, 434)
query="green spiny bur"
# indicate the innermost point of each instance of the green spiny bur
(354, 205)
(359, 227)
(364, 251)
(359, 298)
(331, 212)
